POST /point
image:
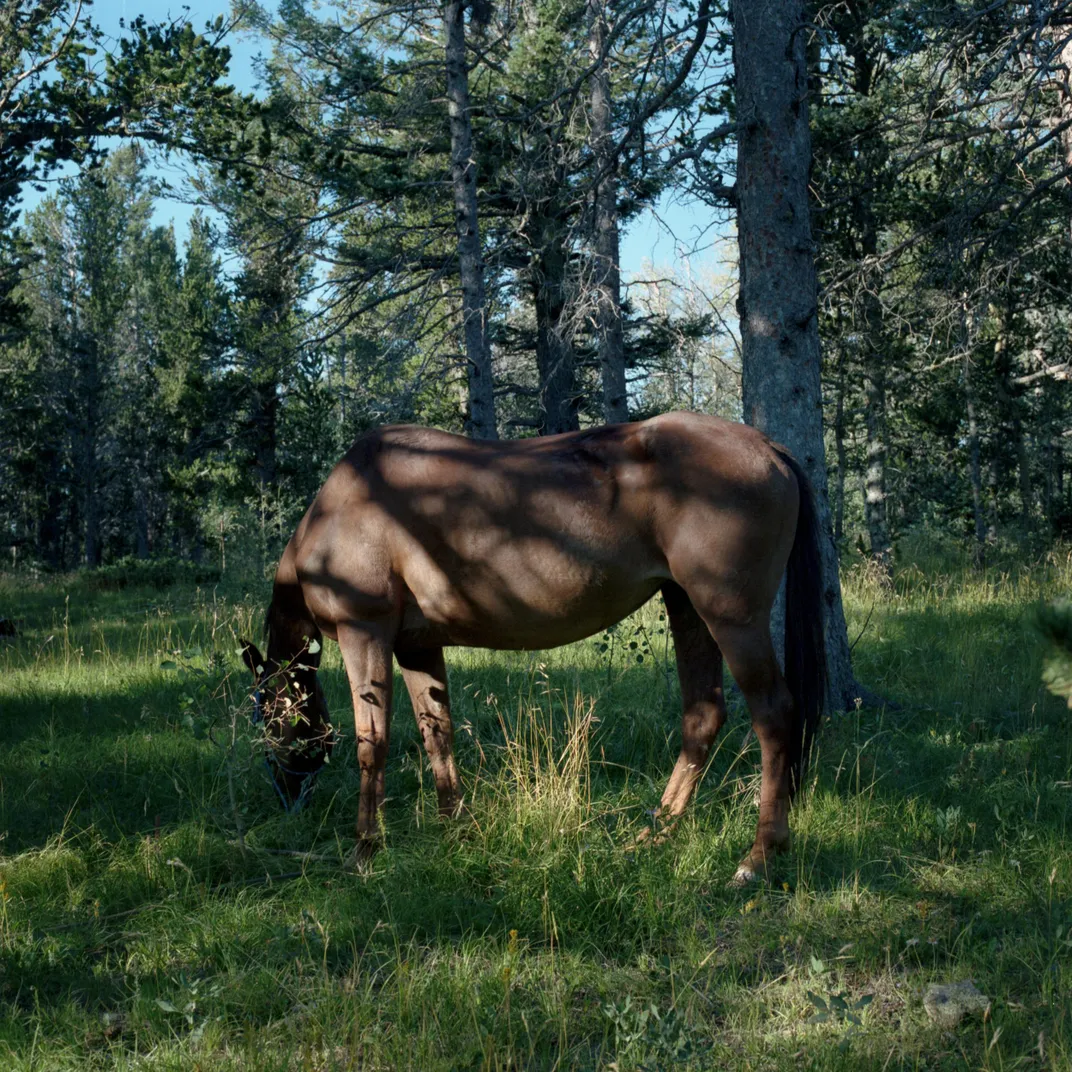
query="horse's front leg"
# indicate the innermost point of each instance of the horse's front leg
(366, 652)
(425, 674)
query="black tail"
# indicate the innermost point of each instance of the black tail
(805, 646)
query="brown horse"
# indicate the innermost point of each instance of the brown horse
(420, 539)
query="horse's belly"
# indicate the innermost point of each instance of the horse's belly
(519, 608)
(533, 633)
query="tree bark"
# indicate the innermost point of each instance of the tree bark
(993, 483)
(1023, 472)
(606, 282)
(1065, 82)
(89, 448)
(858, 45)
(266, 431)
(141, 520)
(1011, 405)
(50, 526)
(1051, 476)
(842, 454)
(777, 304)
(878, 531)
(480, 420)
(975, 467)
(555, 357)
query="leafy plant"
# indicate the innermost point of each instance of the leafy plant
(1055, 623)
(653, 1038)
(948, 822)
(189, 1004)
(837, 1007)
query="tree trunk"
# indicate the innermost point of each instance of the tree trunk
(878, 532)
(341, 369)
(993, 481)
(874, 349)
(975, 468)
(1023, 471)
(50, 528)
(777, 303)
(842, 455)
(480, 421)
(1010, 403)
(89, 448)
(1065, 82)
(141, 520)
(265, 431)
(555, 358)
(1050, 457)
(606, 282)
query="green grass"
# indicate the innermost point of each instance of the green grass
(932, 844)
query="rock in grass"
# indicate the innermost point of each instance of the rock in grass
(948, 1003)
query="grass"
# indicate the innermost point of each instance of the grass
(158, 911)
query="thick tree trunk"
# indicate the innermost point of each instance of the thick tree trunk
(480, 421)
(555, 358)
(606, 282)
(777, 304)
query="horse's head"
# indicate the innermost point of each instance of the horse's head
(289, 702)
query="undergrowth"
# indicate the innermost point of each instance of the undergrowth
(157, 910)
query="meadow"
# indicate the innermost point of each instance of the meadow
(158, 910)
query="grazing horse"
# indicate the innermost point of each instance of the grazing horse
(420, 539)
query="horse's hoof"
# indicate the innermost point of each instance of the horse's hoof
(455, 812)
(744, 876)
(657, 834)
(361, 855)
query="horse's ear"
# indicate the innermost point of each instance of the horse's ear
(252, 658)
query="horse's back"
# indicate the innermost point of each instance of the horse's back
(530, 543)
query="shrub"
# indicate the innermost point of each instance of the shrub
(131, 572)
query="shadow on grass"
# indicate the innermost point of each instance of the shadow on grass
(115, 771)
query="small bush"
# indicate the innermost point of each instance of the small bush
(1055, 623)
(130, 572)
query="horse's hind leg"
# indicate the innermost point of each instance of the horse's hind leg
(366, 653)
(750, 656)
(425, 674)
(699, 668)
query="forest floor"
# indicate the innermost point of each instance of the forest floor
(156, 911)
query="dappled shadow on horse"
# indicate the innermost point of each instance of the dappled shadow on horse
(420, 540)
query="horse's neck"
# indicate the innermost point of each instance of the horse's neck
(292, 637)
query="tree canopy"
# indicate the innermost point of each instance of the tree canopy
(419, 216)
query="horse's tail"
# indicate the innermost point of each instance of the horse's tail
(805, 647)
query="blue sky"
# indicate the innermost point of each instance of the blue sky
(661, 237)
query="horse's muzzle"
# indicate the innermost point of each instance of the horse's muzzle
(293, 787)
